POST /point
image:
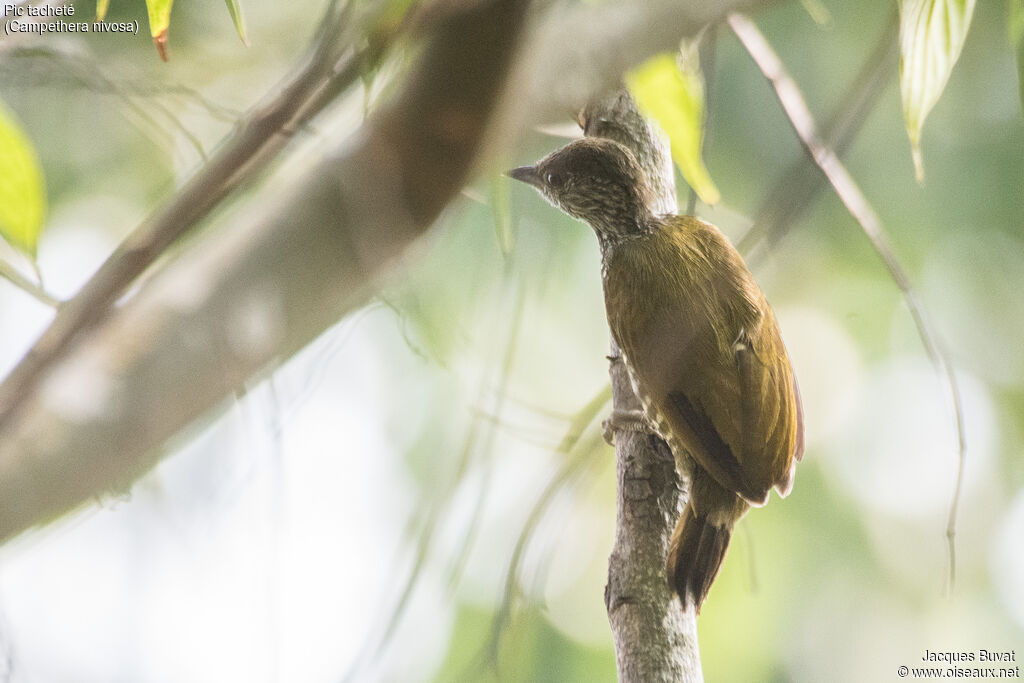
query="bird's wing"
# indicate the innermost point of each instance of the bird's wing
(708, 351)
(772, 415)
(700, 436)
(698, 390)
(739, 415)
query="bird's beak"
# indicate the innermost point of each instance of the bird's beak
(525, 174)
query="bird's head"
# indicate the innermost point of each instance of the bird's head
(598, 181)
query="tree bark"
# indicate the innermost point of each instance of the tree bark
(655, 640)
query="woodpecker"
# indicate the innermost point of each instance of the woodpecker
(701, 344)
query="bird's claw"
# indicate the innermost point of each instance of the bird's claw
(624, 420)
(607, 431)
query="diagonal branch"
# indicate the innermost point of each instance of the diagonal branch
(802, 181)
(857, 204)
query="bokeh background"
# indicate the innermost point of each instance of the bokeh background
(397, 502)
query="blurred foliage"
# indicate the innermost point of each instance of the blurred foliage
(670, 89)
(361, 514)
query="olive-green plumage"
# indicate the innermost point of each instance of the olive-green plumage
(701, 344)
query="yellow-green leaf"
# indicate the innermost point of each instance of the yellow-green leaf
(672, 93)
(932, 33)
(159, 22)
(236, 16)
(1015, 24)
(22, 192)
(101, 9)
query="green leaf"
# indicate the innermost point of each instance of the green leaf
(672, 93)
(22, 192)
(159, 22)
(101, 9)
(236, 16)
(1015, 24)
(932, 33)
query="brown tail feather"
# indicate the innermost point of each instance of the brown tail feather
(695, 556)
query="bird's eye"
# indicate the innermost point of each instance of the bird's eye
(550, 178)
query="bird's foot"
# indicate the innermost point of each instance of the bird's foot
(624, 421)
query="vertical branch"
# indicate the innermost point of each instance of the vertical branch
(655, 640)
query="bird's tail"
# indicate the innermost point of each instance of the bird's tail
(695, 556)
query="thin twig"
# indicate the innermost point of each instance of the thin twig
(564, 479)
(442, 503)
(71, 67)
(857, 204)
(11, 274)
(514, 336)
(800, 183)
(570, 468)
